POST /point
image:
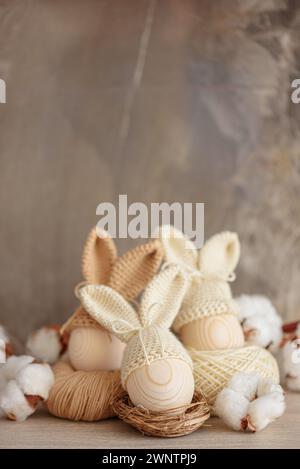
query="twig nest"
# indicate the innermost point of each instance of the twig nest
(45, 344)
(250, 402)
(174, 422)
(163, 384)
(260, 321)
(213, 369)
(92, 349)
(82, 395)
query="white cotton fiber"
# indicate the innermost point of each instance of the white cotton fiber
(261, 323)
(231, 407)
(36, 380)
(266, 386)
(290, 362)
(44, 344)
(14, 404)
(15, 364)
(245, 384)
(265, 402)
(263, 410)
(4, 335)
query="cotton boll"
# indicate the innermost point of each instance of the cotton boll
(14, 365)
(260, 321)
(264, 410)
(245, 384)
(290, 359)
(276, 334)
(257, 305)
(257, 331)
(14, 403)
(6, 347)
(246, 305)
(45, 344)
(4, 335)
(36, 380)
(266, 386)
(231, 407)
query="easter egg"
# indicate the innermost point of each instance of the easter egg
(163, 385)
(213, 333)
(93, 349)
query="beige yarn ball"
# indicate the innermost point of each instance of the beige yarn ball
(213, 369)
(83, 395)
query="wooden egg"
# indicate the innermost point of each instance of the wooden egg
(164, 384)
(93, 349)
(213, 333)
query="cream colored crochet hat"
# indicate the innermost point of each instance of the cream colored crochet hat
(145, 331)
(128, 274)
(209, 271)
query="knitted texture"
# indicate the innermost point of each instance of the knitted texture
(205, 298)
(132, 271)
(79, 319)
(128, 274)
(213, 369)
(151, 344)
(209, 270)
(98, 257)
(146, 331)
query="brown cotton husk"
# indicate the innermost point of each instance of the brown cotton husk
(167, 424)
(33, 401)
(82, 395)
(8, 350)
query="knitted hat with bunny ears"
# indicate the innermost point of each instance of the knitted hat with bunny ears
(209, 270)
(128, 274)
(145, 331)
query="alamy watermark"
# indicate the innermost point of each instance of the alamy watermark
(295, 96)
(2, 91)
(137, 220)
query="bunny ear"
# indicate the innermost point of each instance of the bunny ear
(133, 271)
(220, 254)
(163, 297)
(110, 310)
(99, 255)
(178, 249)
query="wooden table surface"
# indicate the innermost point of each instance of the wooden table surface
(45, 431)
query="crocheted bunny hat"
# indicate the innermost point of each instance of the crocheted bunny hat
(209, 270)
(146, 331)
(128, 274)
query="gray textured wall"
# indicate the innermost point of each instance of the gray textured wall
(163, 100)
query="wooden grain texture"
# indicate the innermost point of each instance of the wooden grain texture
(161, 100)
(44, 431)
